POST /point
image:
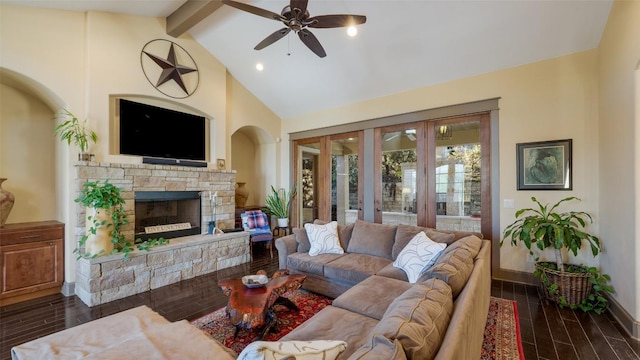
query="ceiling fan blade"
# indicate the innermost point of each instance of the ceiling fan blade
(299, 4)
(272, 38)
(312, 42)
(334, 21)
(254, 10)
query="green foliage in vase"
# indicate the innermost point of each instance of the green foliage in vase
(73, 131)
(106, 196)
(278, 204)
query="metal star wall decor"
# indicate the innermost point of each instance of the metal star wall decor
(178, 66)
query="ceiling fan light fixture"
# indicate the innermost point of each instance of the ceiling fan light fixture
(352, 31)
(296, 18)
(259, 66)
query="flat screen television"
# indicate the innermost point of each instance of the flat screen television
(147, 130)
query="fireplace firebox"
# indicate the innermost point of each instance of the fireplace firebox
(167, 214)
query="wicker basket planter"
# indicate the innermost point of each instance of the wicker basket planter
(574, 286)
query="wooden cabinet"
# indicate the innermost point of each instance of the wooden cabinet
(31, 260)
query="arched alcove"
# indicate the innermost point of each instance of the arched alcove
(28, 147)
(253, 156)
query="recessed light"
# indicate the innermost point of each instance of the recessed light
(352, 31)
(259, 67)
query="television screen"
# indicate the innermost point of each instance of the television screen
(147, 130)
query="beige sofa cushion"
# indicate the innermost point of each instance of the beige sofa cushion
(303, 262)
(372, 296)
(393, 272)
(372, 239)
(333, 323)
(455, 264)
(354, 268)
(419, 319)
(304, 245)
(405, 233)
(378, 348)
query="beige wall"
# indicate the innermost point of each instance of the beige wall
(619, 57)
(81, 60)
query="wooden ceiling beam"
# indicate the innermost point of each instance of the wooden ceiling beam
(189, 14)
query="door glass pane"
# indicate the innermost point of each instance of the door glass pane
(398, 183)
(344, 180)
(458, 190)
(308, 186)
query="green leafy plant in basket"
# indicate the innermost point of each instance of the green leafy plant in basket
(106, 216)
(545, 228)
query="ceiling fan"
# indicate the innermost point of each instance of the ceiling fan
(295, 16)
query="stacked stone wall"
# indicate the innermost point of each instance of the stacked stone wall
(113, 277)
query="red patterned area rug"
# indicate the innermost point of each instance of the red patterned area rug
(501, 337)
(219, 327)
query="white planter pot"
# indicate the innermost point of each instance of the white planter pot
(101, 241)
(283, 222)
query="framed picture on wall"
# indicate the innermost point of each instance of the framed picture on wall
(544, 165)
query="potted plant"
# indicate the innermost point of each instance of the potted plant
(277, 204)
(73, 131)
(105, 218)
(575, 286)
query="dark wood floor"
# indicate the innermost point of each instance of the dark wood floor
(547, 332)
(551, 333)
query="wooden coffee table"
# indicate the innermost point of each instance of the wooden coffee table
(252, 308)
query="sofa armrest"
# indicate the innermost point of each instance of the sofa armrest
(285, 245)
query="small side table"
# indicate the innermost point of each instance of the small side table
(280, 231)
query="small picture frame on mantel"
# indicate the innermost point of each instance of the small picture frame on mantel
(221, 164)
(544, 165)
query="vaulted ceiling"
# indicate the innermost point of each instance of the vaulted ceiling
(402, 46)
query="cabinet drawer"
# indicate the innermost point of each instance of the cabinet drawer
(31, 235)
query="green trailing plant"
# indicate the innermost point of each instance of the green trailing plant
(545, 228)
(277, 204)
(74, 131)
(595, 301)
(104, 195)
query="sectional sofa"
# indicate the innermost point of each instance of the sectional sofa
(377, 312)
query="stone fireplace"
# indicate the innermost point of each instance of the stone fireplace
(166, 199)
(150, 181)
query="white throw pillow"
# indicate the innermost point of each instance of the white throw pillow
(418, 255)
(323, 239)
(302, 350)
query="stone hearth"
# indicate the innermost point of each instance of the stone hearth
(113, 277)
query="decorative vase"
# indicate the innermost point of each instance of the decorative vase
(283, 223)
(241, 194)
(100, 242)
(6, 203)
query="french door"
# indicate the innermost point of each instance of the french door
(433, 173)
